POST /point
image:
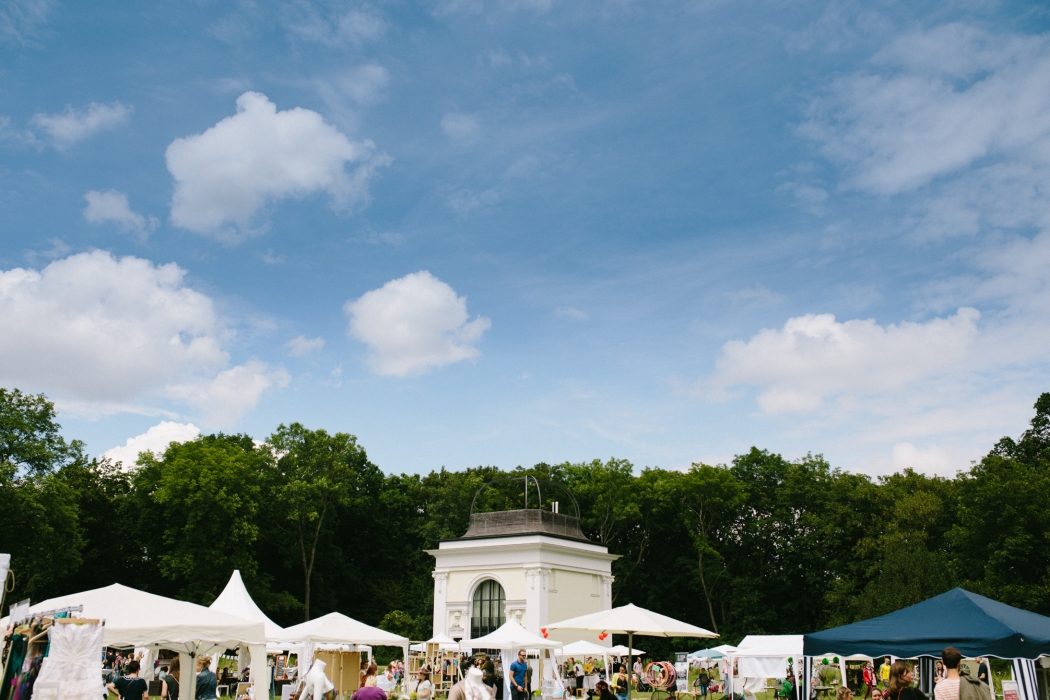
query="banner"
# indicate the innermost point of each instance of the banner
(1010, 690)
(681, 669)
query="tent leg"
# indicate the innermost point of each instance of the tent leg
(187, 675)
(259, 671)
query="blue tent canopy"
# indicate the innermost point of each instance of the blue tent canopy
(975, 625)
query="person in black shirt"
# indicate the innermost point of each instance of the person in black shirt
(130, 686)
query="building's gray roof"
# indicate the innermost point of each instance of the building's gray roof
(524, 522)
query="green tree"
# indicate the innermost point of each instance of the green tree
(204, 501)
(38, 510)
(316, 474)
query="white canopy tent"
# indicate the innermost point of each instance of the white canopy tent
(139, 619)
(621, 650)
(444, 642)
(336, 628)
(235, 600)
(511, 636)
(766, 655)
(584, 648)
(631, 620)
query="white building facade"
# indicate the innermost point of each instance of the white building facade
(529, 565)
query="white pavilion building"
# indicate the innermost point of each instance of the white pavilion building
(534, 566)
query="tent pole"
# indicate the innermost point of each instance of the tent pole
(630, 663)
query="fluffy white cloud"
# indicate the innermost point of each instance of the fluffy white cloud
(105, 331)
(814, 357)
(113, 206)
(71, 126)
(226, 175)
(413, 324)
(458, 125)
(302, 346)
(224, 399)
(154, 440)
(935, 102)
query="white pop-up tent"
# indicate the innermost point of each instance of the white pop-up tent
(336, 628)
(139, 619)
(623, 650)
(235, 600)
(583, 649)
(766, 655)
(631, 620)
(509, 637)
(444, 642)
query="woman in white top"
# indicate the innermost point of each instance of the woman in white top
(424, 688)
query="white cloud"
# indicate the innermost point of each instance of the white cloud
(363, 84)
(155, 440)
(71, 126)
(569, 312)
(334, 27)
(105, 332)
(466, 202)
(113, 206)
(224, 399)
(226, 175)
(458, 125)
(302, 346)
(934, 103)
(414, 324)
(814, 357)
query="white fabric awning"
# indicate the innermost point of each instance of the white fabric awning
(630, 619)
(336, 628)
(235, 600)
(766, 655)
(137, 618)
(622, 650)
(585, 648)
(511, 635)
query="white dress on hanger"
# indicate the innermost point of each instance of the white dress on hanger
(74, 662)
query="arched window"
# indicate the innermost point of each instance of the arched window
(488, 611)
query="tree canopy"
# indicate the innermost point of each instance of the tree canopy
(760, 545)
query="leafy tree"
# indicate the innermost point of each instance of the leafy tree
(205, 498)
(316, 474)
(38, 510)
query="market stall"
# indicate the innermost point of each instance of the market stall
(508, 638)
(143, 620)
(975, 625)
(583, 649)
(632, 620)
(349, 637)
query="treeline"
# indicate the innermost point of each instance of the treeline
(761, 545)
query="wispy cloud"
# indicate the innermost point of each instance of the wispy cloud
(73, 126)
(112, 206)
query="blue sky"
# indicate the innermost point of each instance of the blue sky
(510, 231)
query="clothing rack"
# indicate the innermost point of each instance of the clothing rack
(56, 611)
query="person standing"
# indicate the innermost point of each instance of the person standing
(984, 674)
(869, 680)
(130, 686)
(900, 687)
(424, 688)
(884, 673)
(518, 670)
(957, 686)
(207, 682)
(169, 686)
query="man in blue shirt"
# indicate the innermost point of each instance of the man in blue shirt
(517, 676)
